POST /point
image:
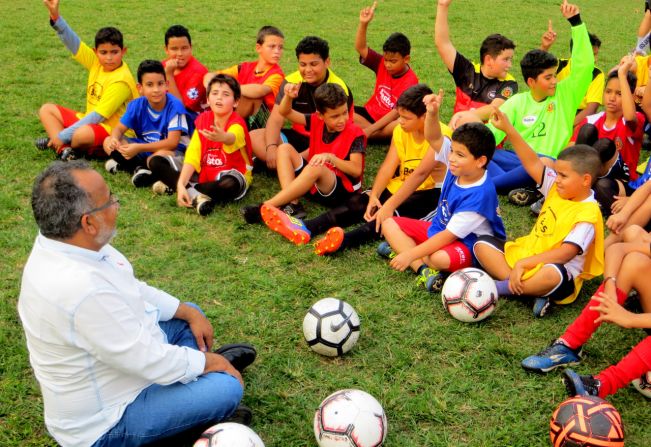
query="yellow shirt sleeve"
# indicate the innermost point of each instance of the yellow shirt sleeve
(273, 82)
(86, 56)
(230, 71)
(193, 152)
(240, 141)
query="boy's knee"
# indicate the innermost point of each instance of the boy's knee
(389, 226)
(48, 109)
(84, 136)
(632, 233)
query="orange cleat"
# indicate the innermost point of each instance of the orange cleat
(290, 228)
(331, 242)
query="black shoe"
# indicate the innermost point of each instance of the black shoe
(42, 143)
(241, 415)
(577, 385)
(295, 210)
(523, 196)
(251, 213)
(68, 154)
(240, 355)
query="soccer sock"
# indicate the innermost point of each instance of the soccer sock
(629, 368)
(350, 213)
(503, 287)
(223, 190)
(642, 46)
(162, 169)
(360, 235)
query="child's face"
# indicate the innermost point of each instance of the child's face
(221, 99)
(312, 68)
(462, 163)
(498, 66)
(110, 55)
(271, 50)
(409, 121)
(613, 96)
(569, 183)
(153, 87)
(545, 84)
(335, 119)
(395, 63)
(179, 48)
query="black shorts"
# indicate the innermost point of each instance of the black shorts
(298, 140)
(337, 196)
(361, 111)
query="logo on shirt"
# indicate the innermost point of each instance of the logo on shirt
(193, 93)
(619, 144)
(546, 223)
(385, 97)
(491, 94)
(551, 107)
(95, 93)
(214, 158)
(528, 120)
(507, 92)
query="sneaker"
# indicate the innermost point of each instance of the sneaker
(643, 384)
(435, 282)
(555, 355)
(536, 207)
(142, 177)
(331, 242)
(425, 276)
(251, 213)
(295, 210)
(161, 189)
(111, 166)
(242, 415)
(203, 204)
(289, 227)
(523, 196)
(577, 385)
(541, 306)
(42, 143)
(385, 250)
(68, 154)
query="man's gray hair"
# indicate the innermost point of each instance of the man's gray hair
(58, 202)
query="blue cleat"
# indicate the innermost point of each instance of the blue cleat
(552, 357)
(577, 385)
(385, 250)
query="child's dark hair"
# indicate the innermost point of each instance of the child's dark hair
(150, 66)
(584, 160)
(268, 30)
(535, 62)
(313, 45)
(177, 31)
(228, 80)
(397, 43)
(631, 78)
(493, 45)
(606, 149)
(109, 35)
(477, 138)
(329, 96)
(412, 99)
(594, 41)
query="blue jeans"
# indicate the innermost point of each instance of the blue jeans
(160, 412)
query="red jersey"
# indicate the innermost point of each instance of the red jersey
(387, 88)
(190, 83)
(213, 158)
(246, 75)
(339, 147)
(627, 141)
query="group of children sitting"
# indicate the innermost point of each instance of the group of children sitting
(434, 200)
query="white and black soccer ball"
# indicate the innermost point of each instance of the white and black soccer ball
(469, 295)
(331, 327)
(643, 384)
(229, 434)
(350, 418)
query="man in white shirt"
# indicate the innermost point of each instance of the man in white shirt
(119, 362)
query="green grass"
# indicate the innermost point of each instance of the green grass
(442, 383)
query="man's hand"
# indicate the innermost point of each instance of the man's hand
(217, 363)
(569, 10)
(53, 7)
(199, 325)
(366, 14)
(548, 38)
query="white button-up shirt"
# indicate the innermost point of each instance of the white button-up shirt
(93, 337)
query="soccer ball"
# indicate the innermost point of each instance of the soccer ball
(469, 295)
(643, 384)
(350, 418)
(331, 327)
(586, 421)
(229, 434)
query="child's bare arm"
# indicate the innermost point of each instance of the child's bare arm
(527, 156)
(382, 178)
(352, 167)
(646, 101)
(53, 7)
(182, 196)
(442, 35)
(612, 312)
(628, 102)
(433, 133)
(548, 38)
(365, 17)
(617, 221)
(285, 106)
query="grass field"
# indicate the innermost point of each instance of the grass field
(442, 383)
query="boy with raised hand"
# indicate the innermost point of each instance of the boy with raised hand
(260, 80)
(478, 85)
(467, 208)
(393, 74)
(184, 72)
(628, 264)
(110, 87)
(313, 54)
(565, 246)
(544, 115)
(159, 121)
(330, 170)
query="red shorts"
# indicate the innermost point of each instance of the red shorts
(69, 117)
(459, 254)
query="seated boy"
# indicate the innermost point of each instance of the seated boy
(628, 265)
(184, 72)
(408, 146)
(565, 245)
(593, 97)
(110, 87)
(393, 74)
(478, 85)
(313, 54)
(331, 169)
(159, 121)
(260, 80)
(544, 115)
(467, 208)
(217, 165)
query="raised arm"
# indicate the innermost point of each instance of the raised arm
(285, 106)
(442, 35)
(433, 133)
(548, 38)
(628, 102)
(365, 17)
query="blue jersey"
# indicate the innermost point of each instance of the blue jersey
(151, 126)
